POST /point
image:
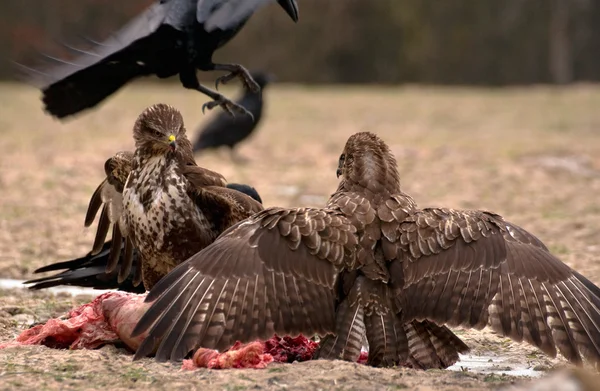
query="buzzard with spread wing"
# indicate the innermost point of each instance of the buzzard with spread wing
(372, 264)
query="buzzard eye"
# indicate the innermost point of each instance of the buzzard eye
(342, 158)
(157, 133)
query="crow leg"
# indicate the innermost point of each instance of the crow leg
(235, 70)
(189, 80)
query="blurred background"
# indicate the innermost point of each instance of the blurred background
(359, 41)
(485, 104)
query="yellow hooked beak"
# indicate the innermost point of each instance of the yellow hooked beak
(172, 142)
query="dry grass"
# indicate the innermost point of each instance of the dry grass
(532, 155)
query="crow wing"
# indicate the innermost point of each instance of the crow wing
(228, 14)
(138, 49)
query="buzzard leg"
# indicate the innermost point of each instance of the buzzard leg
(189, 80)
(235, 70)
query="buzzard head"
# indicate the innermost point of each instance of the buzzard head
(159, 130)
(368, 162)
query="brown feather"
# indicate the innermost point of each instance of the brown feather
(371, 264)
(536, 297)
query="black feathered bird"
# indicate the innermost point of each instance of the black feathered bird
(225, 130)
(172, 37)
(90, 270)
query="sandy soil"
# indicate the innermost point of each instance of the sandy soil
(532, 155)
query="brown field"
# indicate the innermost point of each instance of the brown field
(530, 154)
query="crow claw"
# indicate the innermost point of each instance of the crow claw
(226, 105)
(243, 75)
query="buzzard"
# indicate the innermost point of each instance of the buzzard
(90, 270)
(372, 264)
(160, 203)
(172, 37)
(226, 130)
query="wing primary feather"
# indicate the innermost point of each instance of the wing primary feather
(161, 323)
(566, 346)
(186, 312)
(101, 232)
(591, 335)
(149, 317)
(127, 263)
(115, 249)
(94, 205)
(210, 324)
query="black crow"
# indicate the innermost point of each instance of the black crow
(171, 37)
(226, 130)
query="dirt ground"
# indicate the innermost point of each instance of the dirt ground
(530, 154)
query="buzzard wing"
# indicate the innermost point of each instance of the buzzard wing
(109, 197)
(200, 176)
(474, 269)
(272, 273)
(225, 207)
(222, 205)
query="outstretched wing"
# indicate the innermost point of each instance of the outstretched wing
(109, 197)
(272, 273)
(140, 27)
(70, 86)
(474, 269)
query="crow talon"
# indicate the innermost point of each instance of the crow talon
(227, 106)
(224, 79)
(250, 83)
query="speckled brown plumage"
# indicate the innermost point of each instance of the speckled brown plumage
(160, 202)
(372, 265)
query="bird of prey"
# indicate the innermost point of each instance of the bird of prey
(225, 130)
(372, 264)
(172, 37)
(160, 203)
(90, 270)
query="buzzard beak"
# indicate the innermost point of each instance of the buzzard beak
(338, 172)
(172, 143)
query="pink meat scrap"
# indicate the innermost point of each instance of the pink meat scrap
(111, 317)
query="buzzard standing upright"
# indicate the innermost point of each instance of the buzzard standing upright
(90, 270)
(373, 264)
(160, 203)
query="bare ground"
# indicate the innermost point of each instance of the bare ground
(532, 155)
